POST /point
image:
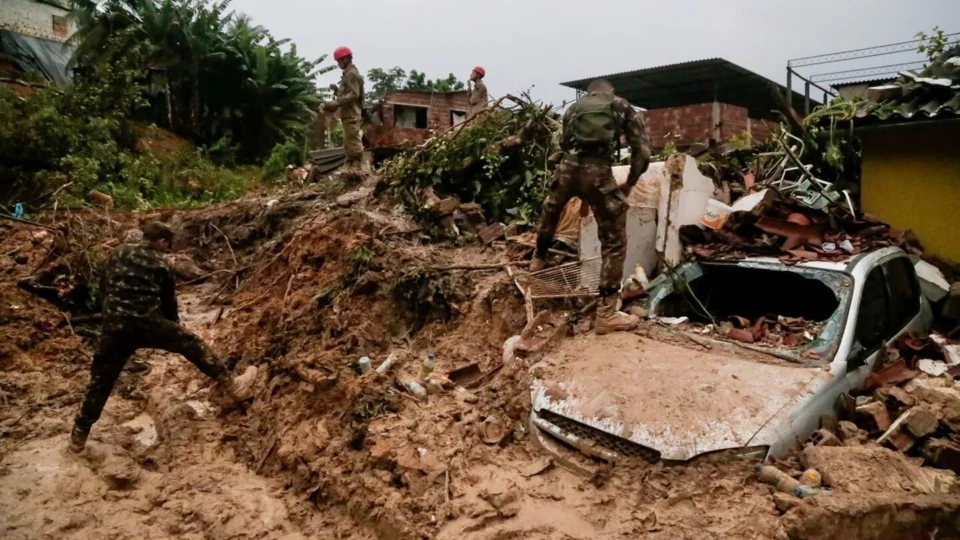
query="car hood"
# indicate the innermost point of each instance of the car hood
(677, 401)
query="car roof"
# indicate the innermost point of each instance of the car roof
(846, 264)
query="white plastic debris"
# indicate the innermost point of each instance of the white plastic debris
(934, 368)
(509, 347)
(951, 351)
(672, 321)
(200, 408)
(933, 284)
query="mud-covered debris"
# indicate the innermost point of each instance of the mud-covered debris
(547, 328)
(875, 469)
(466, 376)
(537, 467)
(873, 417)
(120, 472)
(494, 231)
(942, 453)
(493, 431)
(823, 437)
(921, 422)
(102, 199)
(785, 502)
(353, 197)
(850, 434)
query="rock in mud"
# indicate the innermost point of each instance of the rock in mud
(120, 473)
(785, 502)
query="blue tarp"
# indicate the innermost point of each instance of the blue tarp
(42, 57)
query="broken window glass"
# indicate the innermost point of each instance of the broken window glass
(786, 307)
(872, 317)
(728, 290)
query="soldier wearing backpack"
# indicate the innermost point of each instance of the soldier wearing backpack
(590, 140)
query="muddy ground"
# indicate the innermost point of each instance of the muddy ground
(301, 288)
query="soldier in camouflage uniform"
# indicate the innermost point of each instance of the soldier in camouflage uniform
(140, 312)
(349, 102)
(585, 172)
(478, 91)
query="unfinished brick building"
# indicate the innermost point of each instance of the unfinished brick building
(412, 116)
(694, 102)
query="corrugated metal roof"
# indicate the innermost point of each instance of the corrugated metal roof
(933, 93)
(694, 82)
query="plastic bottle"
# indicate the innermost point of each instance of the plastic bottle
(778, 479)
(806, 491)
(429, 363)
(811, 478)
(365, 365)
(388, 363)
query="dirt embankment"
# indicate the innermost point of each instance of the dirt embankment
(302, 288)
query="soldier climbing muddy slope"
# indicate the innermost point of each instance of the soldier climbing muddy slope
(140, 312)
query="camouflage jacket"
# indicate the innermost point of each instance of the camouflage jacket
(350, 94)
(633, 130)
(138, 283)
(478, 98)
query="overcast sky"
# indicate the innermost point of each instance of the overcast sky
(528, 44)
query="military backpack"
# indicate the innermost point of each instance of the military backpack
(593, 124)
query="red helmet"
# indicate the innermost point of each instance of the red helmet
(481, 71)
(342, 52)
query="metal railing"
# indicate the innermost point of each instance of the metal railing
(890, 70)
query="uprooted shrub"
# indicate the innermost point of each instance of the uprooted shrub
(498, 159)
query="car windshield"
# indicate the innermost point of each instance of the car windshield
(799, 310)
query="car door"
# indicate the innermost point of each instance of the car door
(890, 305)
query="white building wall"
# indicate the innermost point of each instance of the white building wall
(36, 19)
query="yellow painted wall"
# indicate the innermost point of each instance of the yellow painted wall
(911, 180)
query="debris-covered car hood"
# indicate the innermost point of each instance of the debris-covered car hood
(674, 400)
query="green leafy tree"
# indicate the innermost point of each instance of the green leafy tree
(225, 78)
(383, 82)
(419, 81)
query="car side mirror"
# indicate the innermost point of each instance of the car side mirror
(857, 357)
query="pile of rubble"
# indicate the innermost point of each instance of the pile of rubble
(907, 417)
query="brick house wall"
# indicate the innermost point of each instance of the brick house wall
(691, 124)
(439, 105)
(385, 133)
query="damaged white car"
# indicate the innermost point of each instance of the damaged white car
(682, 393)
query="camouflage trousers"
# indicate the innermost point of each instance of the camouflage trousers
(353, 142)
(120, 338)
(592, 181)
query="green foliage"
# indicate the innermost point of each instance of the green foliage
(498, 160)
(383, 82)
(419, 81)
(743, 141)
(83, 136)
(830, 145)
(282, 155)
(227, 79)
(933, 45)
(669, 149)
